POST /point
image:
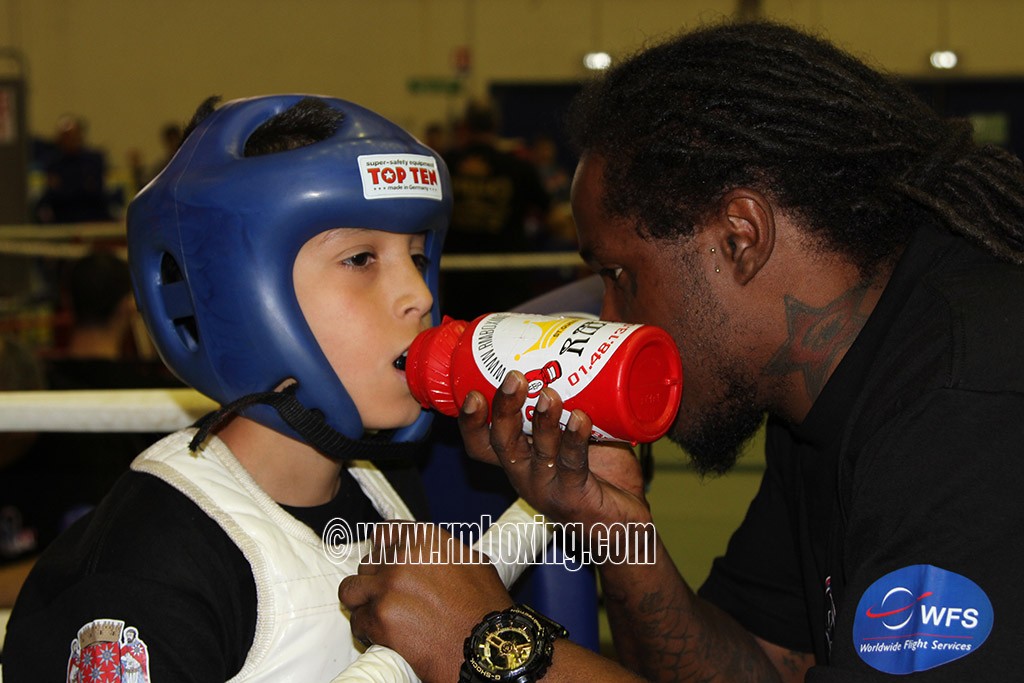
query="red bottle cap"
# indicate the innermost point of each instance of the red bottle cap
(428, 366)
(653, 384)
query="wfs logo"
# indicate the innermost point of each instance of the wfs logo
(920, 617)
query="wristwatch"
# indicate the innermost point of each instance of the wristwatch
(511, 646)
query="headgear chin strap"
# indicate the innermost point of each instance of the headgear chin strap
(311, 426)
(212, 242)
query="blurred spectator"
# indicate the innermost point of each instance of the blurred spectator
(170, 135)
(170, 139)
(75, 179)
(559, 233)
(556, 180)
(99, 293)
(100, 355)
(497, 195)
(434, 137)
(100, 352)
(55, 478)
(19, 371)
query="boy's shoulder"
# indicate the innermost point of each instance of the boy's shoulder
(146, 517)
(145, 529)
(147, 556)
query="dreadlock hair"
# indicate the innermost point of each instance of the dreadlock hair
(838, 144)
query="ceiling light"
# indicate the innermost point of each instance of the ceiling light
(943, 59)
(597, 61)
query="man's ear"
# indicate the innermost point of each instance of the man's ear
(745, 233)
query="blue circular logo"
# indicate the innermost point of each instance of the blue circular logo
(918, 618)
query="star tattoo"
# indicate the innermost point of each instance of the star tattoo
(817, 336)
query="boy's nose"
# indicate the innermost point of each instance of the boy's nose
(416, 297)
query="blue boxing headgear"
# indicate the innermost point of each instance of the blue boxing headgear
(212, 241)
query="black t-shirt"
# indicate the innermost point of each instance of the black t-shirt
(150, 556)
(890, 517)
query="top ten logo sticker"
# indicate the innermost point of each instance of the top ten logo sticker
(386, 176)
(920, 617)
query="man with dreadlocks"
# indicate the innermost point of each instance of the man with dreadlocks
(827, 251)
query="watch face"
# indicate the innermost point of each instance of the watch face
(505, 646)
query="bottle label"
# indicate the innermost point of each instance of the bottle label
(562, 353)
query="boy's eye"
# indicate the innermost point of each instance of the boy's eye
(358, 260)
(421, 262)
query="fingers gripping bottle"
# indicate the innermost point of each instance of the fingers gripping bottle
(627, 377)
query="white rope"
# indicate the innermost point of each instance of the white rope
(124, 410)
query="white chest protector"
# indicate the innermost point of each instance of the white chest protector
(302, 634)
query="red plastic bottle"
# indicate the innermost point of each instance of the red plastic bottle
(628, 378)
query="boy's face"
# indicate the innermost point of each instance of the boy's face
(363, 295)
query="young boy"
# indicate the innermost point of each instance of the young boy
(283, 261)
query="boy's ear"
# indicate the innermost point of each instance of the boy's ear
(745, 233)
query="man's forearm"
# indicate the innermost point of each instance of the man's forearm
(664, 632)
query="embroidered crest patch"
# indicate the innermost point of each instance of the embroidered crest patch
(106, 651)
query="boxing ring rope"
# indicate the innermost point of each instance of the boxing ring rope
(156, 410)
(87, 410)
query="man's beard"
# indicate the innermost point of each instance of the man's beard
(715, 439)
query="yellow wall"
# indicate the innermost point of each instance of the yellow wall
(128, 66)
